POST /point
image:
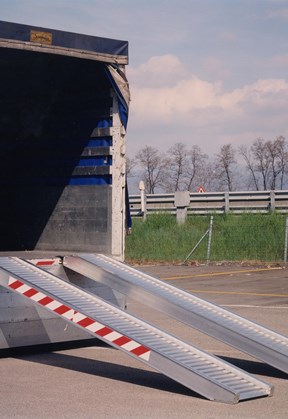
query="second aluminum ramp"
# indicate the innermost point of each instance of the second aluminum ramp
(222, 324)
(195, 369)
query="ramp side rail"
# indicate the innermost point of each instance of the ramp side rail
(222, 324)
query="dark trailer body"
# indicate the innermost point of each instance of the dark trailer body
(63, 116)
(64, 107)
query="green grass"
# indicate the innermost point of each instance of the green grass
(245, 237)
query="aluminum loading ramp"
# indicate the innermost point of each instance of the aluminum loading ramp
(211, 319)
(197, 370)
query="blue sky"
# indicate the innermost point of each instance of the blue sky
(207, 72)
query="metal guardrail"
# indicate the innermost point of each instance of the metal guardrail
(211, 202)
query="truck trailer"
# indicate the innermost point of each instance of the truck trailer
(63, 218)
(64, 109)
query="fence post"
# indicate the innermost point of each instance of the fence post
(227, 207)
(143, 199)
(209, 240)
(181, 202)
(272, 201)
(285, 245)
(195, 247)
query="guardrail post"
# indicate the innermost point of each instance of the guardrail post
(272, 201)
(143, 199)
(227, 207)
(209, 240)
(181, 202)
(285, 245)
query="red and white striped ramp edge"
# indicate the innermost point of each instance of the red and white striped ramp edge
(45, 262)
(82, 320)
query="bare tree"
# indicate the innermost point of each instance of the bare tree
(278, 160)
(209, 178)
(262, 159)
(130, 166)
(176, 166)
(246, 153)
(224, 166)
(267, 162)
(282, 158)
(266, 167)
(153, 165)
(270, 159)
(196, 169)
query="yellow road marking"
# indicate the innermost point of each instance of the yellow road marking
(220, 273)
(238, 293)
(251, 306)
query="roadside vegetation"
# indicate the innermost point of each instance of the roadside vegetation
(235, 238)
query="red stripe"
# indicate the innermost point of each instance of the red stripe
(104, 331)
(62, 309)
(121, 341)
(46, 300)
(16, 285)
(86, 322)
(30, 293)
(45, 262)
(140, 350)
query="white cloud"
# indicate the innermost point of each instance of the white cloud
(281, 13)
(158, 71)
(280, 60)
(177, 101)
(154, 100)
(262, 93)
(178, 108)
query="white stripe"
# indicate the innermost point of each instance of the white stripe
(23, 288)
(145, 356)
(129, 346)
(69, 314)
(38, 296)
(113, 336)
(78, 317)
(53, 305)
(94, 327)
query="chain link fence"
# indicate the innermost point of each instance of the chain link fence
(252, 238)
(244, 239)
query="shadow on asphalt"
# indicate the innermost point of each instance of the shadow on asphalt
(138, 376)
(255, 367)
(111, 371)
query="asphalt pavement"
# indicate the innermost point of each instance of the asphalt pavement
(101, 382)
